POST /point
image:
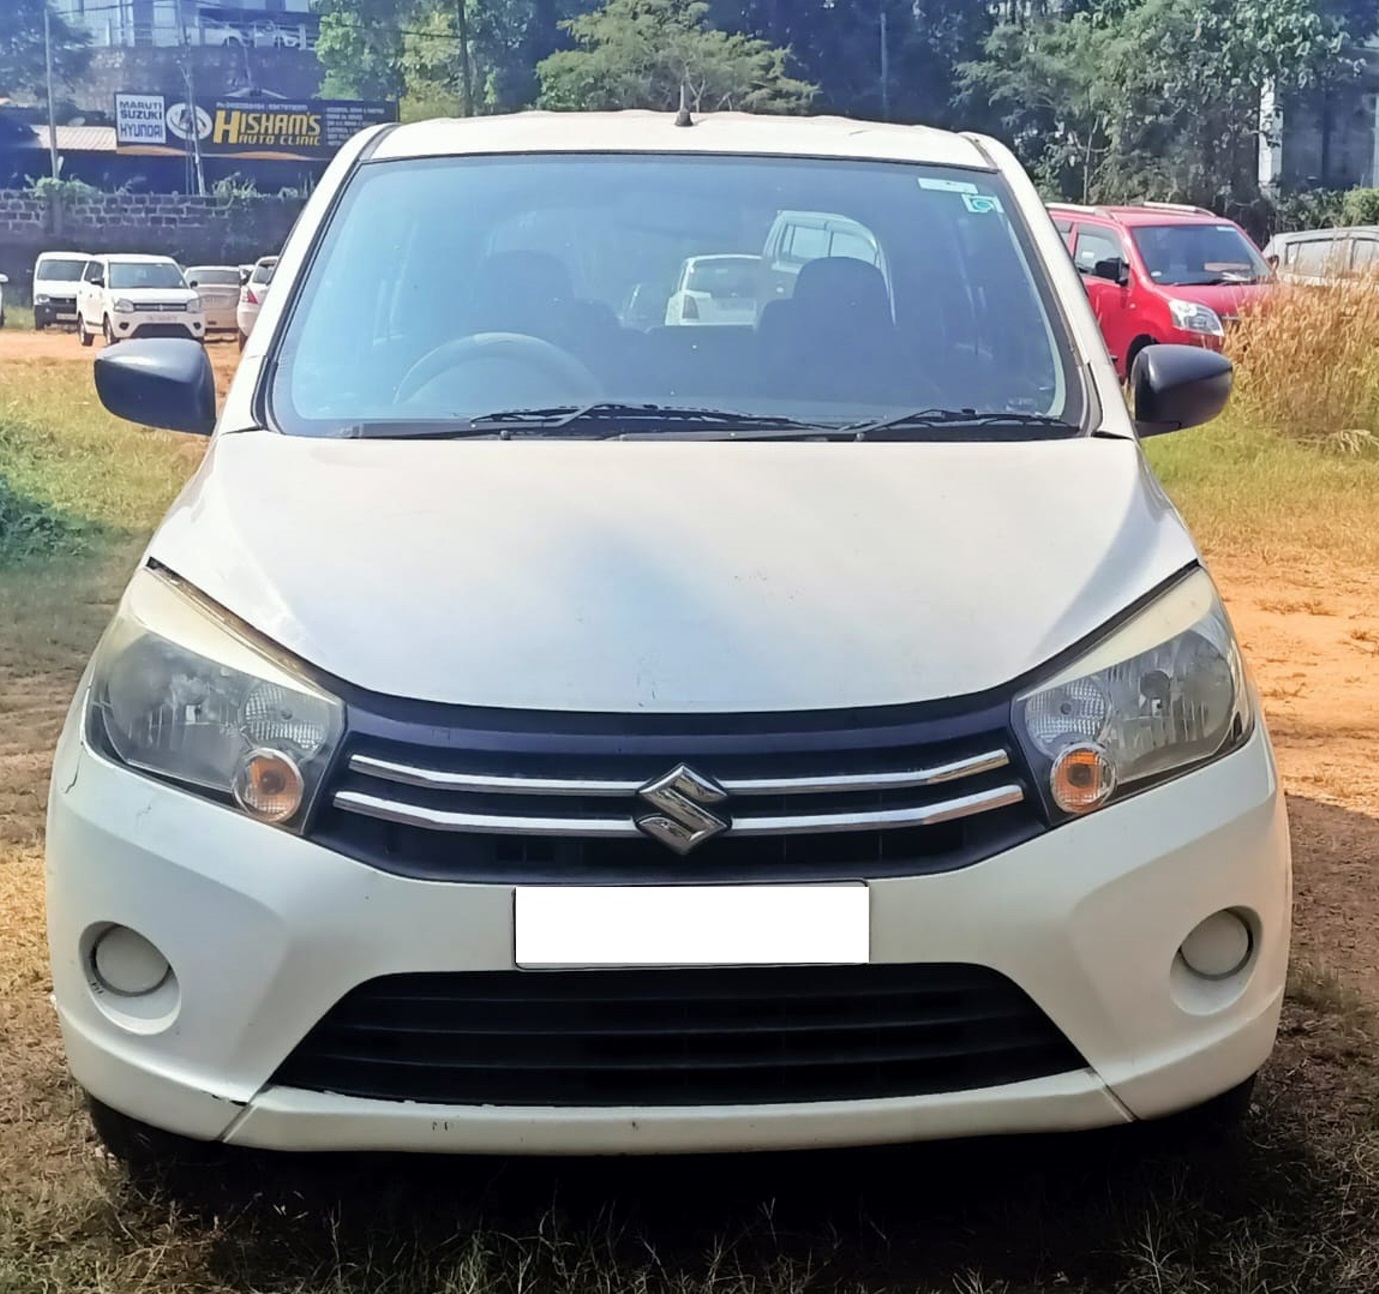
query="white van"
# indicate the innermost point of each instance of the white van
(56, 279)
(536, 732)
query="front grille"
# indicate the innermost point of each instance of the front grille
(879, 802)
(156, 307)
(62, 305)
(160, 330)
(756, 1035)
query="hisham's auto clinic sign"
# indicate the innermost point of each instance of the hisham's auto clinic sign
(301, 130)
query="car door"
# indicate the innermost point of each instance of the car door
(88, 308)
(1111, 301)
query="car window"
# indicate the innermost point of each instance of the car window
(61, 270)
(1197, 253)
(1364, 254)
(429, 267)
(214, 277)
(807, 243)
(1317, 255)
(846, 243)
(93, 272)
(1096, 244)
(145, 274)
(725, 276)
(262, 274)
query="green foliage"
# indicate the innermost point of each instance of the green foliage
(65, 191)
(21, 47)
(1130, 99)
(32, 529)
(638, 54)
(1307, 209)
(1360, 207)
(360, 45)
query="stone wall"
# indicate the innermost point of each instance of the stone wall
(193, 230)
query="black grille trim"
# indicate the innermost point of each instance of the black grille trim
(750, 1035)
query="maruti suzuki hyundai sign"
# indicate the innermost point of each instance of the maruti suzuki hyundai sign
(300, 130)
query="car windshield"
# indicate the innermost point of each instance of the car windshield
(145, 274)
(61, 271)
(213, 277)
(1198, 254)
(263, 273)
(449, 289)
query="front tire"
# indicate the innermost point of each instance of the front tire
(145, 1149)
(82, 335)
(107, 331)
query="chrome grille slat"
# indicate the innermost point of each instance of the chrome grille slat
(842, 783)
(921, 815)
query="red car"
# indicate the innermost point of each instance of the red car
(1160, 272)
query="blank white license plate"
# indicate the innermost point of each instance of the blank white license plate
(692, 925)
(64, 318)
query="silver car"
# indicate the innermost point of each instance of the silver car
(218, 288)
(251, 296)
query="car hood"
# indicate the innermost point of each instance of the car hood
(677, 577)
(142, 295)
(1224, 298)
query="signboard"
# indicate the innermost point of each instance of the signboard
(247, 127)
(140, 119)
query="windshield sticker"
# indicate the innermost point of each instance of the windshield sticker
(982, 204)
(947, 186)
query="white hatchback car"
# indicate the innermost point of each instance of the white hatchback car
(252, 294)
(716, 290)
(533, 733)
(123, 297)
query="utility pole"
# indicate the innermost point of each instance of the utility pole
(466, 76)
(193, 119)
(885, 68)
(48, 64)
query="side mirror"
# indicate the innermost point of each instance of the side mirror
(98, 281)
(162, 382)
(4, 278)
(1113, 268)
(193, 283)
(1177, 387)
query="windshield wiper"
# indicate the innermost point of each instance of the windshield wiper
(921, 420)
(506, 424)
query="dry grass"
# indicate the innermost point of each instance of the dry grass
(1305, 364)
(1291, 1205)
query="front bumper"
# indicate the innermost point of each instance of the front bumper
(47, 313)
(266, 932)
(169, 323)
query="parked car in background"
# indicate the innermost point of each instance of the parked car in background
(1161, 272)
(4, 279)
(526, 735)
(56, 278)
(137, 296)
(251, 296)
(798, 237)
(719, 289)
(1317, 256)
(217, 286)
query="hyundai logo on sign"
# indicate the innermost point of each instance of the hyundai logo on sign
(683, 822)
(186, 120)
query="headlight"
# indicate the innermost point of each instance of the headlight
(41, 299)
(1162, 694)
(1192, 317)
(124, 306)
(180, 693)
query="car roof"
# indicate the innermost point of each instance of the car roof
(639, 131)
(135, 258)
(1337, 231)
(215, 265)
(265, 260)
(63, 256)
(1145, 214)
(722, 256)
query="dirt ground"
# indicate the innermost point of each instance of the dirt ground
(53, 344)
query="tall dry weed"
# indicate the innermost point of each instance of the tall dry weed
(1307, 363)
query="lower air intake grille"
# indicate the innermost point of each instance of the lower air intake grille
(757, 1035)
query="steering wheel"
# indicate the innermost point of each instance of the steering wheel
(541, 356)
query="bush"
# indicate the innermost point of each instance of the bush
(29, 528)
(1361, 207)
(1307, 364)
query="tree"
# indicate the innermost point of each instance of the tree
(22, 68)
(638, 54)
(1129, 99)
(360, 45)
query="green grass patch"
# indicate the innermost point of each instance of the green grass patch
(20, 318)
(59, 447)
(31, 529)
(1250, 492)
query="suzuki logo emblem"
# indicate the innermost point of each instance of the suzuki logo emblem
(683, 822)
